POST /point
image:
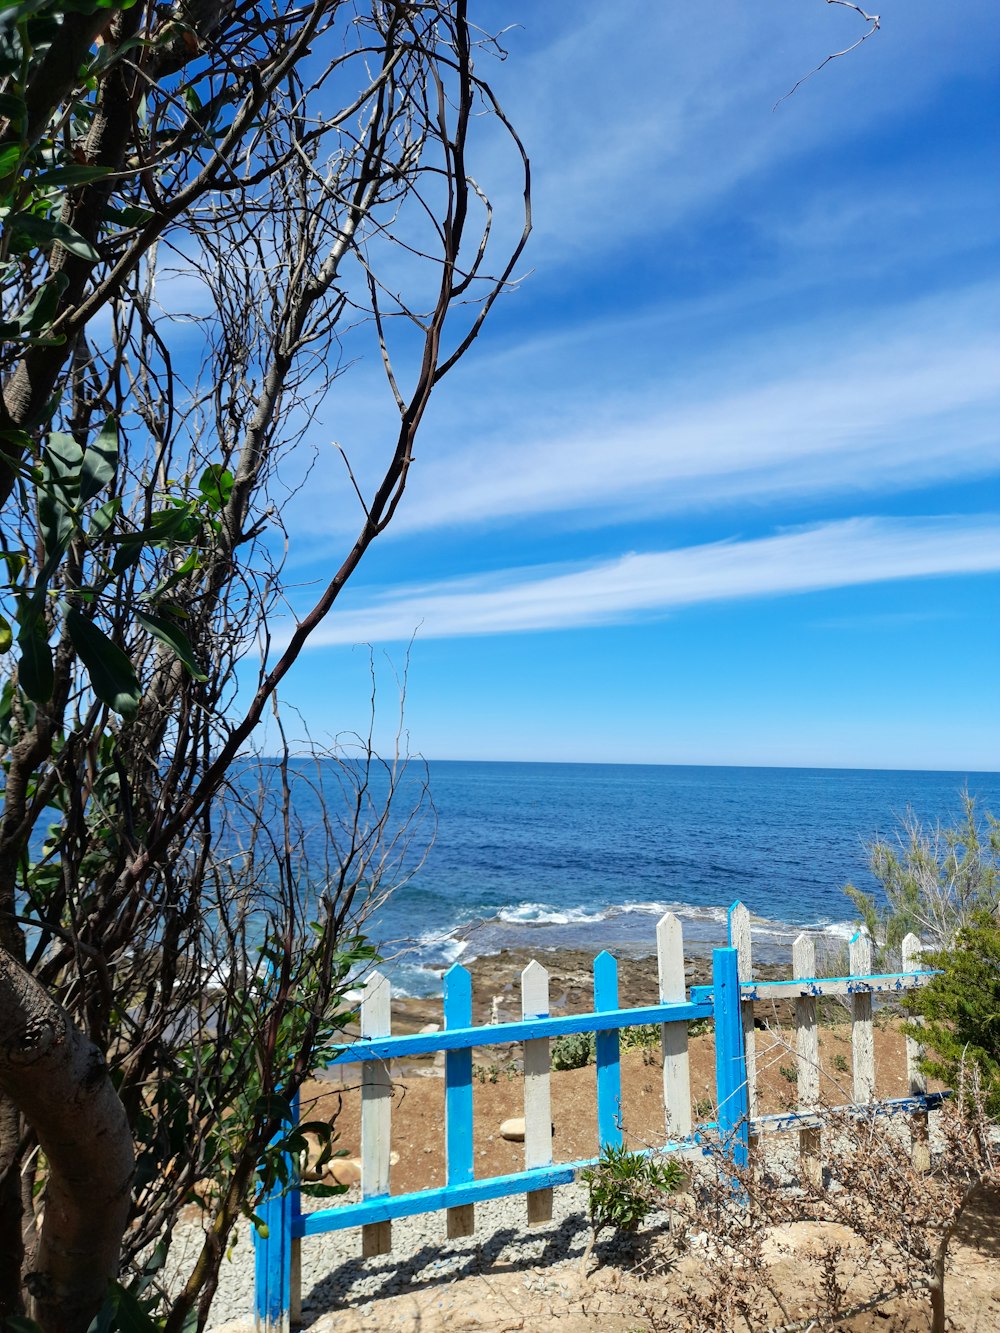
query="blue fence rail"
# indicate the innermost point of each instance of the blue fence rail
(726, 1003)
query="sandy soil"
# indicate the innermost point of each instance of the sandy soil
(617, 1297)
(418, 1109)
(620, 1299)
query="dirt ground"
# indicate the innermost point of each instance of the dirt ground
(498, 1093)
(618, 1297)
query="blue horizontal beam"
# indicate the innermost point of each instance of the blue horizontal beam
(785, 1120)
(391, 1206)
(502, 1034)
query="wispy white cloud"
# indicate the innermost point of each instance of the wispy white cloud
(833, 555)
(906, 401)
(618, 163)
(580, 424)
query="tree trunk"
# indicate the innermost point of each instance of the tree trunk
(58, 1079)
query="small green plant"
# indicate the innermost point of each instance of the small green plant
(643, 1037)
(574, 1051)
(840, 1063)
(704, 1109)
(491, 1073)
(789, 1073)
(623, 1189)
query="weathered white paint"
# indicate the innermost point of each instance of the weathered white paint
(862, 1031)
(674, 1036)
(376, 1113)
(807, 1060)
(739, 939)
(537, 1089)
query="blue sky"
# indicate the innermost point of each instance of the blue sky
(719, 482)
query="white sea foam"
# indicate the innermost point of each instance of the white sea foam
(540, 914)
(447, 946)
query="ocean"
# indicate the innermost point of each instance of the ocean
(589, 856)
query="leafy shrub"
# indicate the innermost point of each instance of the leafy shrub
(945, 887)
(574, 1051)
(961, 1008)
(932, 882)
(643, 1037)
(624, 1187)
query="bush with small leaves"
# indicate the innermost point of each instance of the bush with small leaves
(624, 1188)
(574, 1051)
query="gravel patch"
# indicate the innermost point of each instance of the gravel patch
(335, 1277)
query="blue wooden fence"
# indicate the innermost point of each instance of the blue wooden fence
(727, 1003)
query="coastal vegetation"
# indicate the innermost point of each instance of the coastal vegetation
(211, 210)
(944, 886)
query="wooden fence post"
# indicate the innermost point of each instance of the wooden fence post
(674, 1036)
(862, 1031)
(537, 1089)
(273, 1249)
(730, 1061)
(376, 1114)
(807, 1047)
(609, 1072)
(740, 940)
(461, 1221)
(921, 1149)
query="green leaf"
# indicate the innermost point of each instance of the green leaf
(62, 460)
(216, 486)
(6, 635)
(9, 158)
(60, 468)
(319, 1191)
(111, 673)
(40, 314)
(14, 109)
(102, 518)
(69, 175)
(129, 216)
(19, 1324)
(100, 462)
(34, 672)
(175, 639)
(45, 232)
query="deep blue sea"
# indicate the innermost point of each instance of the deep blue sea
(590, 855)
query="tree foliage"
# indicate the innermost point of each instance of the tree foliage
(959, 1009)
(931, 882)
(211, 211)
(945, 888)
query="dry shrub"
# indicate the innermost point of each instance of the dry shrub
(752, 1252)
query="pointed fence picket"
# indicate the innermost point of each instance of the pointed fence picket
(862, 1026)
(914, 1074)
(376, 1114)
(537, 1089)
(807, 1063)
(608, 1055)
(729, 1002)
(677, 1115)
(461, 1220)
